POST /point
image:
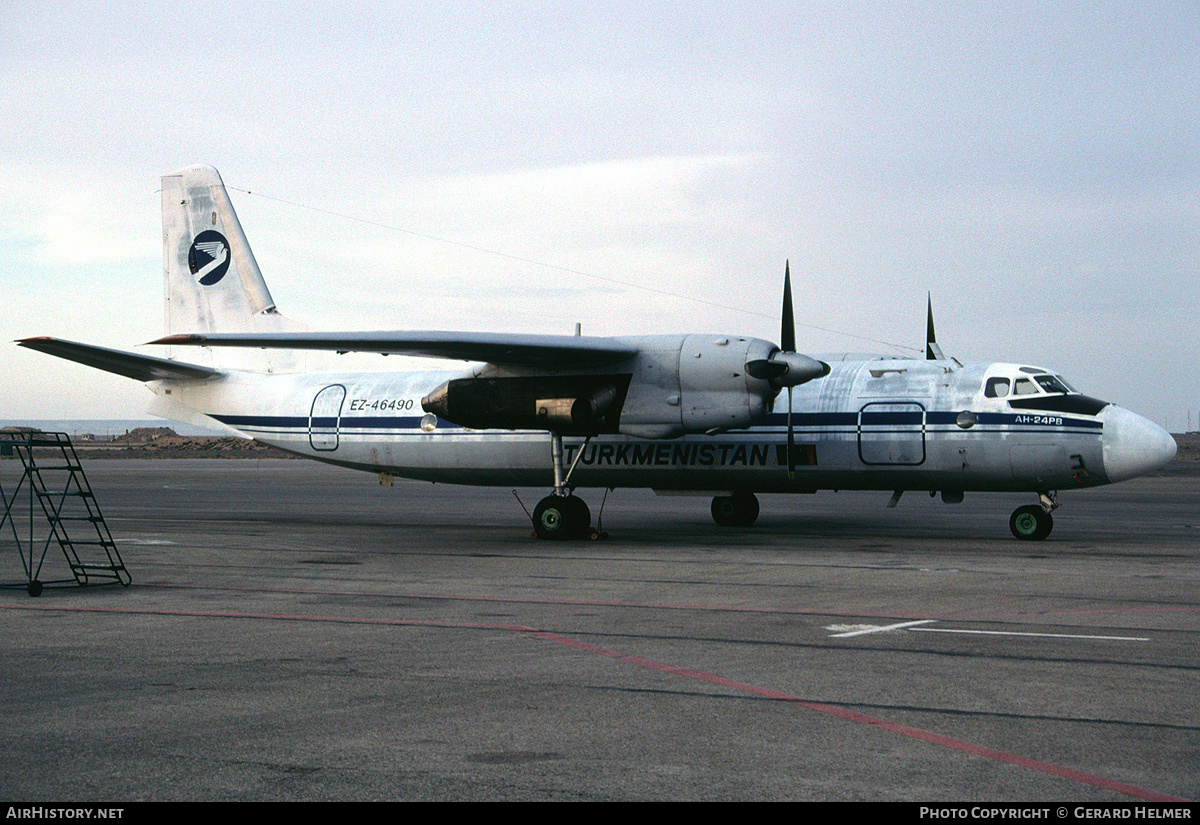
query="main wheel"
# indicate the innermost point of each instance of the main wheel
(561, 517)
(1031, 523)
(737, 510)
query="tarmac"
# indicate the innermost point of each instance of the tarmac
(297, 632)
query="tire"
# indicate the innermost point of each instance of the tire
(561, 517)
(737, 510)
(1030, 523)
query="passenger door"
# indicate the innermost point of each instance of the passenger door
(892, 433)
(325, 417)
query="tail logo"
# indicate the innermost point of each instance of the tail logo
(209, 256)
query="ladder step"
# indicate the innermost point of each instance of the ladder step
(59, 467)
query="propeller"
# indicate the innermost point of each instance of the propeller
(786, 367)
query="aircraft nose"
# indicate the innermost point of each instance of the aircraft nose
(1133, 445)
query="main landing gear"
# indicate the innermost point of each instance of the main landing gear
(738, 509)
(1033, 522)
(563, 517)
(562, 514)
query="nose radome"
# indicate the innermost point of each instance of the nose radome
(1133, 445)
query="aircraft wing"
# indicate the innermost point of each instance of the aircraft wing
(128, 364)
(503, 349)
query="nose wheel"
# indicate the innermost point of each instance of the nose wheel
(1033, 522)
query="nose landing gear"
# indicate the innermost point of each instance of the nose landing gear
(1033, 522)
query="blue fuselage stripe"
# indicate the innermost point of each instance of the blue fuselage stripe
(991, 422)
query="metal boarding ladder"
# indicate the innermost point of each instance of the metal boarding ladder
(69, 507)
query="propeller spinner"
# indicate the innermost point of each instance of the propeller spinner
(786, 367)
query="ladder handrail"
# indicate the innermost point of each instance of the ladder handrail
(54, 506)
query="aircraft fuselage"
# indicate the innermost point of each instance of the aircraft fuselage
(884, 424)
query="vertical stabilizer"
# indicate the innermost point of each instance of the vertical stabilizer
(213, 283)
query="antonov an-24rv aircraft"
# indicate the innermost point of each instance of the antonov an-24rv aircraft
(677, 413)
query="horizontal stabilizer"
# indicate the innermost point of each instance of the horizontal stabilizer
(503, 349)
(131, 365)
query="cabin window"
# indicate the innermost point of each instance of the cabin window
(1023, 386)
(996, 388)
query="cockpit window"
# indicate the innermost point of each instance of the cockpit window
(1023, 386)
(1052, 384)
(1039, 382)
(996, 388)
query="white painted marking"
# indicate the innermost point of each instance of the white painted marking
(1044, 635)
(863, 629)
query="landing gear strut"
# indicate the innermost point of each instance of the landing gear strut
(562, 514)
(737, 510)
(1033, 522)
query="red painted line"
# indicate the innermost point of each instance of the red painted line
(786, 611)
(687, 673)
(1078, 611)
(863, 719)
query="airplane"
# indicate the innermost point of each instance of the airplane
(685, 414)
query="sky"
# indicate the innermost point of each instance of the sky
(636, 168)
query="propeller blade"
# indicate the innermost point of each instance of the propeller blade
(787, 332)
(786, 367)
(791, 442)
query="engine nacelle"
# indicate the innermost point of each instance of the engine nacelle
(695, 383)
(675, 385)
(575, 404)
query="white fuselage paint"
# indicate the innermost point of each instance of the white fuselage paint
(877, 424)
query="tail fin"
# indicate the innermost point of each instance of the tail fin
(213, 283)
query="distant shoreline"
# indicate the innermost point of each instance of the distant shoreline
(163, 442)
(82, 429)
